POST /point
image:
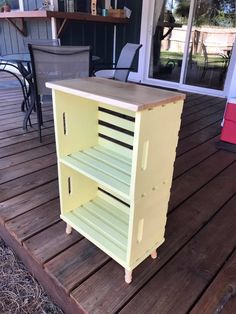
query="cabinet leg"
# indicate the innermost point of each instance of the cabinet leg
(128, 276)
(68, 229)
(154, 254)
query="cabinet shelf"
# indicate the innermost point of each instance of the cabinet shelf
(104, 166)
(104, 224)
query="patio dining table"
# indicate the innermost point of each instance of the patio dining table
(22, 62)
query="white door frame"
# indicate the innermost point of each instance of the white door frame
(144, 58)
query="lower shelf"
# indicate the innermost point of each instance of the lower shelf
(103, 224)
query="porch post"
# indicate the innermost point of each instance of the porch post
(54, 27)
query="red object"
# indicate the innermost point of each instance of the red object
(229, 128)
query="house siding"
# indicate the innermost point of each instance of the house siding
(98, 35)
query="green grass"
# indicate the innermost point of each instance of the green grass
(167, 55)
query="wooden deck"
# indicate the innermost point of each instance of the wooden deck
(196, 266)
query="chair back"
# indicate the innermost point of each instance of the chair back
(42, 42)
(50, 63)
(125, 61)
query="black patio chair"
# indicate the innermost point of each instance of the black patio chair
(218, 63)
(56, 63)
(121, 70)
(26, 70)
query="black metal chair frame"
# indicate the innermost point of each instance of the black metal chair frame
(20, 68)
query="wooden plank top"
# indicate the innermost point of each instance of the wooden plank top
(130, 96)
(81, 16)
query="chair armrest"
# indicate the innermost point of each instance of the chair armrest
(111, 68)
(105, 73)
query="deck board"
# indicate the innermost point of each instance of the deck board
(192, 180)
(198, 138)
(26, 201)
(220, 296)
(31, 222)
(44, 245)
(30, 166)
(196, 264)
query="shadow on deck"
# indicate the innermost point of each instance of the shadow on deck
(195, 269)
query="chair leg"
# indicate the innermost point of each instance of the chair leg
(29, 111)
(39, 118)
(25, 102)
(203, 72)
(39, 109)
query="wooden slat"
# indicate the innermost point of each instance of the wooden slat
(109, 169)
(109, 158)
(121, 158)
(119, 136)
(109, 216)
(119, 149)
(117, 121)
(111, 197)
(111, 204)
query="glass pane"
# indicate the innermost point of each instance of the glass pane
(169, 31)
(212, 39)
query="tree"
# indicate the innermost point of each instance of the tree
(217, 12)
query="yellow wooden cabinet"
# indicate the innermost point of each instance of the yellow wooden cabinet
(116, 146)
